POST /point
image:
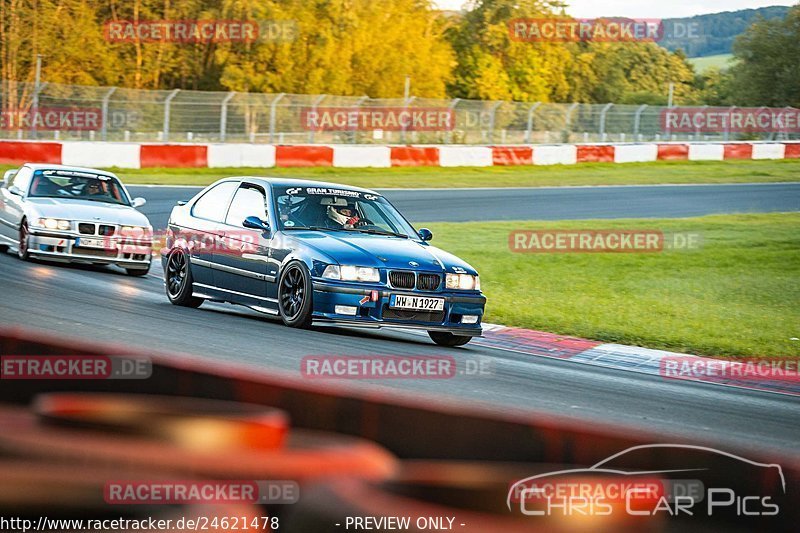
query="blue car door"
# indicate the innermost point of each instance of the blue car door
(205, 230)
(241, 259)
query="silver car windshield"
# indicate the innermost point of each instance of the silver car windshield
(77, 185)
(326, 208)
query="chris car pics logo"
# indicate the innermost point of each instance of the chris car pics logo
(693, 484)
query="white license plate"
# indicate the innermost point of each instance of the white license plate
(91, 243)
(416, 303)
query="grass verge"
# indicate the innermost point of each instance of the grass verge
(737, 295)
(661, 172)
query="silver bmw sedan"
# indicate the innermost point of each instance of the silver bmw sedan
(75, 215)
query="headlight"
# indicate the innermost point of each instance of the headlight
(133, 231)
(466, 282)
(351, 273)
(54, 223)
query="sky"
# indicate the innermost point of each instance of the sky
(648, 8)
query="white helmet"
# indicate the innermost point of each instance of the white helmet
(340, 218)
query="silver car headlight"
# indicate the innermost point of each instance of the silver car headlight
(351, 273)
(464, 282)
(54, 223)
(135, 231)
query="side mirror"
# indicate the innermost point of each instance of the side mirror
(139, 202)
(15, 190)
(255, 223)
(425, 234)
(182, 203)
(8, 176)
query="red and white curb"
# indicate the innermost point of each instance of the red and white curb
(190, 155)
(626, 358)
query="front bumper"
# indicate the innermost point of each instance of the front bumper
(53, 246)
(376, 314)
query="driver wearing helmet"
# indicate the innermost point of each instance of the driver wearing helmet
(92, 188)
(343, 216)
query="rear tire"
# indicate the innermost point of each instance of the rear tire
(443, 338)
(178, 278)
(22, 248)
(295, 293)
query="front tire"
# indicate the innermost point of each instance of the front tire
(22, 248)
(295, 296)
(178, 278)
(443, 338)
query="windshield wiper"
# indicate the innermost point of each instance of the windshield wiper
(114, 202)
(369, 231)
(380, 232)
(313, 228)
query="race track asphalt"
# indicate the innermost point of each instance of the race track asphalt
(103, 304)
(552, 203)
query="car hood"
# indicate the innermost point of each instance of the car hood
(381, 252)
(73, 209)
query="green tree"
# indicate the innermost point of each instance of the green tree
(714, 87)
(493, 66)
(346, 47)
(767, 72)
(623, 69)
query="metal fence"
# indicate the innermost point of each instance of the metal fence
(202, 116)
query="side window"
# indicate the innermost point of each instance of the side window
(22, 179)
(248, 201)
(214, 203)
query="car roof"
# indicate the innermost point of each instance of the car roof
(45, 166)
(293, 182)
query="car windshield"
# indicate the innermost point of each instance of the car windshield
(339, 210)
(77, 185)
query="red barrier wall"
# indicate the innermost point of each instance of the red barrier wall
(738, 151)
(673, 152)
(792, 151)
(414, 156)
(512, 155)
(595, 154)
(174, 155)
(303, 156)
(30, 152)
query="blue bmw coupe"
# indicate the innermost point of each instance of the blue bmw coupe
(317, 253)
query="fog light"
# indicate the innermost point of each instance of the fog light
(345, 310)
(469, 319)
